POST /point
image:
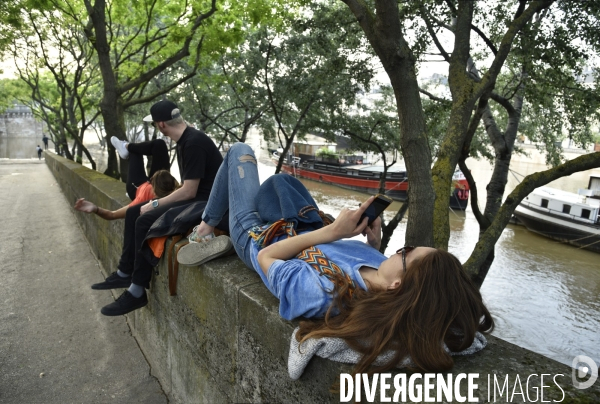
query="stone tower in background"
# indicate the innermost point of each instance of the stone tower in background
(20, 133)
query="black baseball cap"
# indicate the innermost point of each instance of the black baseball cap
(163, 111)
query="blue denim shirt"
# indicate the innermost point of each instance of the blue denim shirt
(299, 287)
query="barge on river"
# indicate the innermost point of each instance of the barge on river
(564, 216)
(350, 173)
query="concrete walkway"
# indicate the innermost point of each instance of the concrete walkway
(55, 346)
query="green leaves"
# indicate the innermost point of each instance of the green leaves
(13, 90)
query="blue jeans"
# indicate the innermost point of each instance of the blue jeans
(235, 188)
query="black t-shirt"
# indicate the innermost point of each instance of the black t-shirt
(198, 158)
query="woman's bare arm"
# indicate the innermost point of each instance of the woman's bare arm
(88, 207)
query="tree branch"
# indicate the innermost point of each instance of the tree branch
(502, 101)
(505, 45)
(161, 91)
(433, 35)
(522, 4)
(433, 97)
(270, 93)
(183, 52)
(465, 153)
(529, 183)
(485, 39)
(481, 219)
(477, 30)
(362, 13)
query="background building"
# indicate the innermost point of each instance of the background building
(20, 133)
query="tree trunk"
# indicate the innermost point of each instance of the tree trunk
(82, 149)
(80, 154)
(464, 97)
(384, 33)
(111, 104)
(389, 229)
(64, 145)
(503, 146)
(146, 139)
(444, 168)
(288, 145)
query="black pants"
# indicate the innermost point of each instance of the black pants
(136, 227)
(136, 175)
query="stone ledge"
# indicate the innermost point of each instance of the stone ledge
(221, 339)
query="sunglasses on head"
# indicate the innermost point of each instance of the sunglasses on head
(403, 251)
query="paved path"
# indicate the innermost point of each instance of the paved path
(55, 346)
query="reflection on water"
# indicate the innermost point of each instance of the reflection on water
(543, 294)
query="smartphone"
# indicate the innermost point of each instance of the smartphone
(380, 203)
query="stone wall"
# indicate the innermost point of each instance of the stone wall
(20, 133)
(221, 340)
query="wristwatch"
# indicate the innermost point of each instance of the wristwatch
(154, 203)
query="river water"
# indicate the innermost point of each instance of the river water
(544, 295)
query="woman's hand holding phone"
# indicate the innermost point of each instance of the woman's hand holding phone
(374, 210)
(373, 233)
(350, 222)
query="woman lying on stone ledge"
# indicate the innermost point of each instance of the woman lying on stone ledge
(411, 304)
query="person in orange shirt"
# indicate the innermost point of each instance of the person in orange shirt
(140, 187)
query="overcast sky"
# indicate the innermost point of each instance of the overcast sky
(7, 70)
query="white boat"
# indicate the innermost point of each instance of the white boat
(565, 216)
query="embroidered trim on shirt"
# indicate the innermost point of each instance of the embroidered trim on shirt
(313, 256)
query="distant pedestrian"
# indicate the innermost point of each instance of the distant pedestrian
(45, 140)
(39, 150)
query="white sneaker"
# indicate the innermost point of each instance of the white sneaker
(120, 147)
(199, 253)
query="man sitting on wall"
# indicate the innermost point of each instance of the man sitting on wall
(198, 159)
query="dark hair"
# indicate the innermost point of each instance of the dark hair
(436, 302)
(163, 183)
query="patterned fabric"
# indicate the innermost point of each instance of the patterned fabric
(263, 236)
(313, 256)
(325, 267)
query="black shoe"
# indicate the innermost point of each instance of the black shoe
(124, 304)
(113, 281)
